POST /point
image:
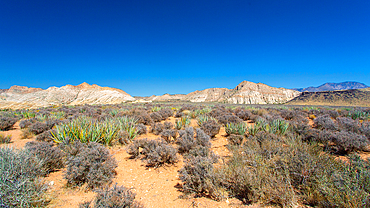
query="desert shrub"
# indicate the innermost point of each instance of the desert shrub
(141, 116)
(199, 177)
(169, 134)
(141, 129)
(51, 157)
(167, 125)
(202, 138)
(117, 196)
(365, 129)
(26, 123)
(235, 139)
(165, 113)
(343, 142)
(348, 124)
(20, 183)
(236, 128)
(228, 118)
(45, 136)
(53, 122)
(211, 127)
(38, 127)
(7, 122)
(186, 140)
(243, 114)
(154, 152)
(202, 151)
(5, 139)
(324, 122)
(156, 117)
(88, 163)
(157, 128)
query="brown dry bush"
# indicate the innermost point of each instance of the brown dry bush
(155, 153)
(117, 196)
(156, 117)
(88, 163)
(7, 122)
(51, 157)
(157, 128)
(211, 128)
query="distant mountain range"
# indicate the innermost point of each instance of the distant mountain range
(245, 93)
(333, 86)
(23, 97)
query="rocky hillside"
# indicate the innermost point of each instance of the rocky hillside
(245, 93)
(334, 86)
(356, 97)
(24, 97)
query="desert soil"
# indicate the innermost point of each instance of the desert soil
(154, 187)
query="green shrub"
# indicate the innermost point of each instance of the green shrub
(5, 139)
(236, 128)
(20, 183)
(85, 129)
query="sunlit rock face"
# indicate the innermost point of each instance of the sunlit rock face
(23, 97)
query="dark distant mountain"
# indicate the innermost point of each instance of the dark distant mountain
(353, 97)
(334, 86)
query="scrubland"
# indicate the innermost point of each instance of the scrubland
(185, 155)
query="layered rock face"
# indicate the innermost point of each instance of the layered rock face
(24, 97)
(252, 93)
(245, 93)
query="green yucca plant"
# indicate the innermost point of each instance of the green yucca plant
(202, 119)
(86, 130)
(253, 130)
(128, 125)
(183, 122)
(236, 128)
(156, 109)
(28, 114)
(278, 127)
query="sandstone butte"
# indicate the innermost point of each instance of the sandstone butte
(246, 92)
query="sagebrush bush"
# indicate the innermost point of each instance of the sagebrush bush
(199, 177)
(202, 138)
(38, 127)
(228, 118)
(211, 128)
(243, 114)
(186, 140)
(343, 142)
(114, 197)
(325, 122)
(154, 152)
(348, 124)
(45, 136)
(7, 122)
(157, 128)
(156, 117)
(169, 135)
(51, 157)
(235, 139)
(165, 113)
(365, 129)
(141, 129)
(167, 125)
(20, 183)
(88, 163)
(25, 123)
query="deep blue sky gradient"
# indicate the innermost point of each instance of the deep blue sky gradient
(156, 47)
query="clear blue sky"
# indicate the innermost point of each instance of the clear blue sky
(156, 47)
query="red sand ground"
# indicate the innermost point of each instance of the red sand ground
(154, 187)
